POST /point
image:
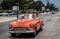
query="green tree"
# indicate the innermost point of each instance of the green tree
(7, 4)
(23, 4)
(37, 5)
(51, 6)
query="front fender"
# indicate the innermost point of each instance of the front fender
(41, 22)
(14, 24)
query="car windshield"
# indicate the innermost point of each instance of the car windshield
(27, 16)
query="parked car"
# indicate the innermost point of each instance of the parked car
(3, 14)
(28, 23)
(0, 14)
(13, 13)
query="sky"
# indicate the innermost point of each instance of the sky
(56, 2)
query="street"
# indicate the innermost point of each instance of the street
(51, 29)
(6, 18)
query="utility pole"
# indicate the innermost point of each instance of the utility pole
(17, 10)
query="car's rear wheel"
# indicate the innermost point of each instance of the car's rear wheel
(13, 34)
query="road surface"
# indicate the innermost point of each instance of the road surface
(51, 29)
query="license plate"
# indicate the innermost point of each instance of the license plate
(19, 31)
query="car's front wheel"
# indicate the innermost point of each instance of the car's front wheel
(41, 28)
(13, 34)
(34, 33)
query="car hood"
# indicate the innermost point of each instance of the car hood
(24, 22)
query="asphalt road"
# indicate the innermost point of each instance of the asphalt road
(49, 29)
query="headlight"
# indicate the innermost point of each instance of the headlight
(10, 27)
(31, 25)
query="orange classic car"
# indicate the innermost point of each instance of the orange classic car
(27, 23)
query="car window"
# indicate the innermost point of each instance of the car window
(30, 16)
(27, 16)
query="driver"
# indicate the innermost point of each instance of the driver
(36, 15)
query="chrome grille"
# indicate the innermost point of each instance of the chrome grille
(21, 29)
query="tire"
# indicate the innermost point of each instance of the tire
(13, 34)
(35, 33)
(41, 29)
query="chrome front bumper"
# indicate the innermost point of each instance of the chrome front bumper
(31, 31)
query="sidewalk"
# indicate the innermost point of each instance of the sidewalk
(5, 19)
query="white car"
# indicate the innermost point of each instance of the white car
(4, 14)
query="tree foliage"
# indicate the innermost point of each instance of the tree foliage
(26, 4)
(51, 6)
(23, 4)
